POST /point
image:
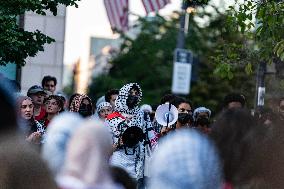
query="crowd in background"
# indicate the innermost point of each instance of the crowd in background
(51, 141)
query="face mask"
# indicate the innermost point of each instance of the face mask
(85, 110)
(203, 121)
(184, 118)
(132, 101)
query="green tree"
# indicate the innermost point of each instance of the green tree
(261, 23)
(148, 60)
(16, 43)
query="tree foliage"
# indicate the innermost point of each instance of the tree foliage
(16, 43)
(148, 60)
(261, 24)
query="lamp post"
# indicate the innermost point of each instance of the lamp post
(181, 33)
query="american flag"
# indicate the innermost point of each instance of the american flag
(117, 12)
(154, 5)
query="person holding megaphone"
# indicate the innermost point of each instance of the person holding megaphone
(180, 115)
(133, 135)
(185, 112)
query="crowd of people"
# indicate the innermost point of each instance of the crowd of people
(51, 141)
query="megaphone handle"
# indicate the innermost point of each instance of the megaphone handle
(168, 116)
(168, 119)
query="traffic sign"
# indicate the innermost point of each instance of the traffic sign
(182, 71)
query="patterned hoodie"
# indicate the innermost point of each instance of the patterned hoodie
(76, 102)
(133, 163)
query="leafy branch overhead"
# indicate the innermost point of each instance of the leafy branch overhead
(148, 60)
(262, 25)
(16, 43)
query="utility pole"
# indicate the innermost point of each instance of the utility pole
(183, 58)
(181, 34)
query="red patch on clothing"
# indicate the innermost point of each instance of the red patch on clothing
(114, 115)
(46, 122)
(41, 114)
(227, 185)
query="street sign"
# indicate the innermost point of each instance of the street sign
(182, 71)
(260, 96)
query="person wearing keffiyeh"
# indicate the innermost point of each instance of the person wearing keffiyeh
(82, 104)
(104, 109)
(127, 114)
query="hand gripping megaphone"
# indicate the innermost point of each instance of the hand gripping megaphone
(166, 114)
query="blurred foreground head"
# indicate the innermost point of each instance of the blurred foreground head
(58, 134)
(185, 159)
(8, 117)
(264, 165)
(21, 166)
(234, 100)
(232, 133)
(88, 155)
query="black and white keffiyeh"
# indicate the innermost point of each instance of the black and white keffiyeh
(120, 102)
(103, 105)
(134, 163)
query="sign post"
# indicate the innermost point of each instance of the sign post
(182, 71)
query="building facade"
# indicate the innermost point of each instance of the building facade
(50, 61)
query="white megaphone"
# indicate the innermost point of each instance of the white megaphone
(166, 114)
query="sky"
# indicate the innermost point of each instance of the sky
(90, 19)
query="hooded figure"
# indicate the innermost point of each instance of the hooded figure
(21, 166)
(127, 103)
(104, 109)
(87, 159)
(127, 114)
(185, 159)
(58, 134)
(82, 104)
